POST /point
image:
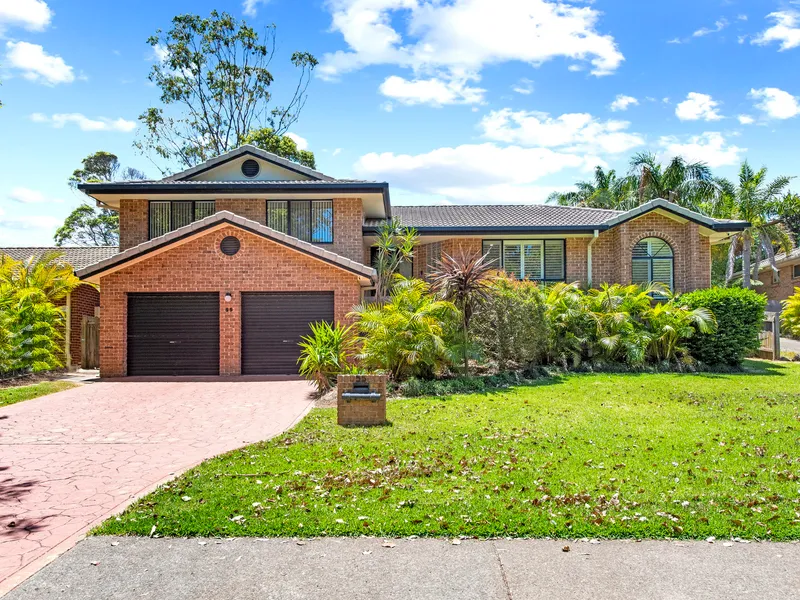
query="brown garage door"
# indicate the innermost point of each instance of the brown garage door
(272, 325)
(173, 334)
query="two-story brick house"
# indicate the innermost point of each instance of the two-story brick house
(223, 266)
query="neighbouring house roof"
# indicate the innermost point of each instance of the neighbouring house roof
(248, 150)
(506, 218)
(226, 217)
(78, 257)
(782, 258)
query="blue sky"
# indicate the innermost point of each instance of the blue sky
(450, 101)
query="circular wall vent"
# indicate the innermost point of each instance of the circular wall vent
(250, 168)
(230, 245)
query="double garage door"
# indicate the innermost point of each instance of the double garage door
(179, 334)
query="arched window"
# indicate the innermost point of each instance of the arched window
(653, 262)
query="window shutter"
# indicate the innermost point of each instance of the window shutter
(300, 218)
(159, 218)
(533, 260)
(277, 215)
(182, 214)
(512, 259)
(554, 263)
(640, 272)
(492, 250)
(662, 271)
(203, 209)
(322, 219)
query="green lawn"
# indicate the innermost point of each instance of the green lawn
(12, 395)
(579, 456)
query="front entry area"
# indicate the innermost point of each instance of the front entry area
(173, 334)
(273, 324)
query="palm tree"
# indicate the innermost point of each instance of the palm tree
(464, 281)
(395, 245)
(689, 184)
(606, 191)
(758, 202)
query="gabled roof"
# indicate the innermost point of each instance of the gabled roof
(248, 150)
(219, 218)
(77, 257)
(783, 257)
(533, 218)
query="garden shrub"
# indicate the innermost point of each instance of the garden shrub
(326, 353)
(790, 317)
(510, 326)
(414, 387)
(740, 317)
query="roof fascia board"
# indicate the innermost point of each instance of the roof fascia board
(680, 211)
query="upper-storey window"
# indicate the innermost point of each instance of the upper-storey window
(170, 215)
(308, 220)
(540, 260)
(653, 262)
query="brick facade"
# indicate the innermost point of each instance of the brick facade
(781, 290)
(348, 220)
(261, 265)
(612, 252)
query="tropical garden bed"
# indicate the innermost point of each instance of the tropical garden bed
(595, 455)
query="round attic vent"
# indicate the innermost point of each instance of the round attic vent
(250, 168)
(230, 245)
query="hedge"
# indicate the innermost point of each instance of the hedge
(740, 318)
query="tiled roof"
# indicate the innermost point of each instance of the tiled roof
(78, 257)
(225, 216)
(497, 215)
(781, 258)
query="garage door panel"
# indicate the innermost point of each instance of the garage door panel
(173, 334)
(273, 325)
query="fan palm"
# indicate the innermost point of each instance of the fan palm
(759, 202)
(464, 280)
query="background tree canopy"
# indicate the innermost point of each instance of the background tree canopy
(87, 225)
(214, 75)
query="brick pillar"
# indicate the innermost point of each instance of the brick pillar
(230, 333)
(361, 412)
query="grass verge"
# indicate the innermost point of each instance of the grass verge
(12, 395)
(584, 455)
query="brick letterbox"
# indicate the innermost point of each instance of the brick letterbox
(361, 399)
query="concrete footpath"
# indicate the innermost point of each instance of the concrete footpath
(415, 569)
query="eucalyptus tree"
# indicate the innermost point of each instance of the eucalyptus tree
(759, 202)
(215, 82)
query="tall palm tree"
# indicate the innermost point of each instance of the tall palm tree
(758, 202)
(606, 191)
(689, 184)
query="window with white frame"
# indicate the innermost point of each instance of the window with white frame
(539, 260)
(653, 262)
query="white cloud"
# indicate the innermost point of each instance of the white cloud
(463, 36)
(85, 123)
(473, 172)
(786, 30)
(572, 132)
(250, 7)
(433, 91)
(710, 148)
(698, 107)
(622, 102)
(776, 103)
(336, 152)
(524, 86)
(29, 222)
(29, 196)
(37, 65)
(33, 15)
(301, 142)
(719, 25)
(746, 119)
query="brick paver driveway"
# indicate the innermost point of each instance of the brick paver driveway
(71, 459)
